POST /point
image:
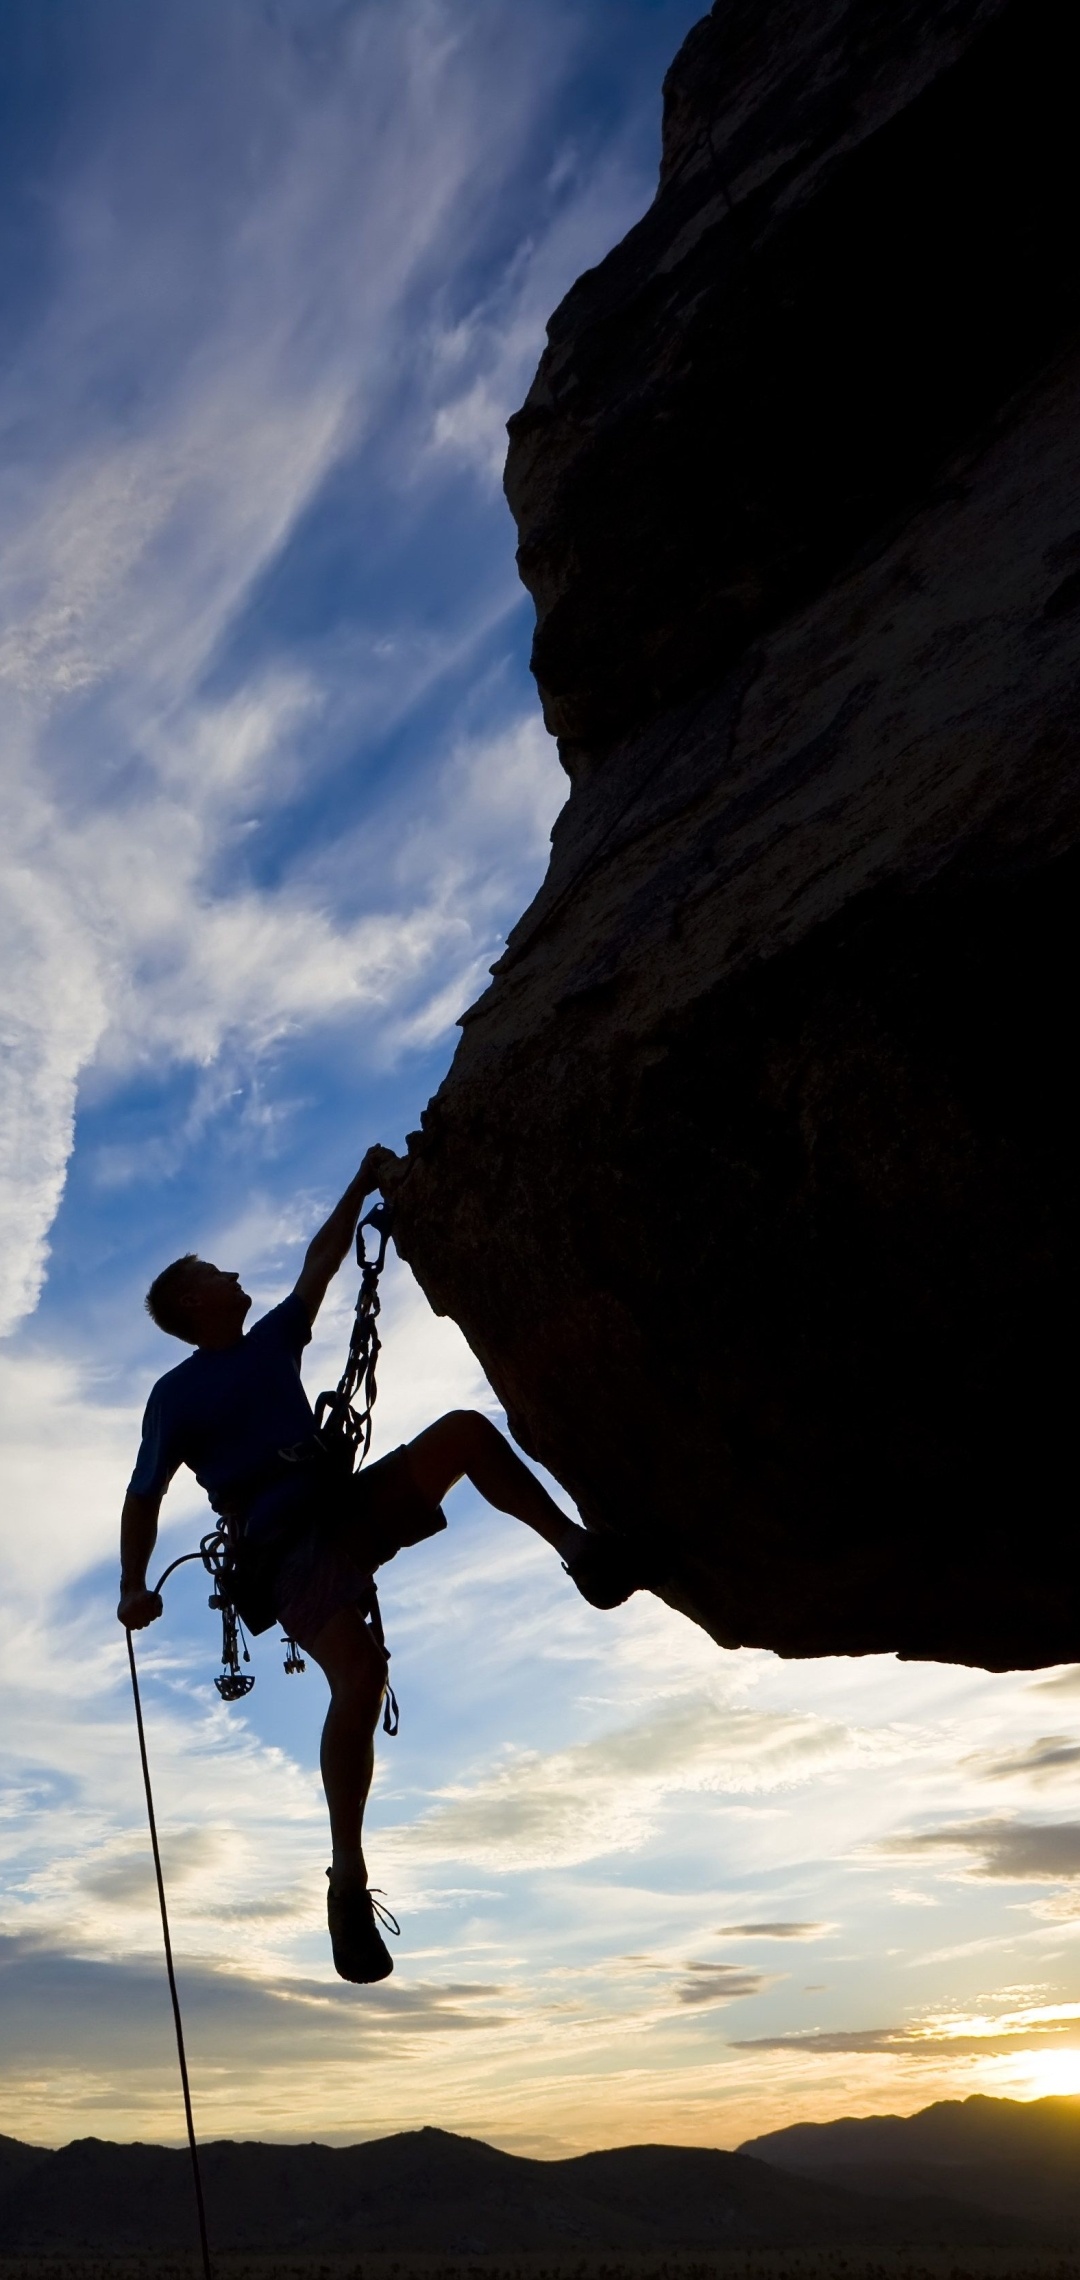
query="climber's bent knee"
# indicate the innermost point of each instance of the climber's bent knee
(398, 1503)
(442, 1453)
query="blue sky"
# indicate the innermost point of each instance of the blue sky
(274, 787)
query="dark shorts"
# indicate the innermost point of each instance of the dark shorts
(331, 1567)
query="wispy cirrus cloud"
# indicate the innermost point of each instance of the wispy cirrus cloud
(311, 2016)
(604, 1795)
(1045, 1759)
(157, 487)
(781, 1931)
(717, 1983)
(1018, 1852)
(1065, 1681)
(963, 2034)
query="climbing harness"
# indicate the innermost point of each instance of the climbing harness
(343, 1438)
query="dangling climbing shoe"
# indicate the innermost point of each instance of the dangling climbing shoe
(360, 1952)
(607, 1571)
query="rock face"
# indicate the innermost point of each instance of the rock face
(753, 1183)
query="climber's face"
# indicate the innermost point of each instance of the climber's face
(214, 1304)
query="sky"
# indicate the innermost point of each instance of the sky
(274, 787)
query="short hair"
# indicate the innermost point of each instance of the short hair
(165, 1297)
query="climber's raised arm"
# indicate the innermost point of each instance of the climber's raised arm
(138, 1535)
(328, 1247)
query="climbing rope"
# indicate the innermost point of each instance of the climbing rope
(208, 2273)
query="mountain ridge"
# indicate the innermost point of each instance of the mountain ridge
(431, 2190)
(1014, 2157)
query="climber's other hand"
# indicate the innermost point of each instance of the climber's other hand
(138, 1608)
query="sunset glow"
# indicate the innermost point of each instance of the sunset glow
(276, 786)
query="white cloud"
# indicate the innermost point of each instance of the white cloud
(131, 542)
(1066, 1681)
(774, 1931)
(713, 1984)
(604, 1795)
(65, 1455)
(52, 1013)
(1020, 1852)
(483, 364)
(425, 1367)
(1048, 1758)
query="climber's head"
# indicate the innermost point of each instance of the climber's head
(197, 1302)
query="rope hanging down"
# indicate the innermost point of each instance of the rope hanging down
(189, 2118)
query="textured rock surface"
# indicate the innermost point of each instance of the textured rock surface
(753, 1182)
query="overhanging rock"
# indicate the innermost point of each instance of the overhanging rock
(753, 1183)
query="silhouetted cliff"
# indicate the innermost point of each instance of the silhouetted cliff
(753, 1182)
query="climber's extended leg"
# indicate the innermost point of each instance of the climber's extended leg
(465, 1445)
(355, 1666)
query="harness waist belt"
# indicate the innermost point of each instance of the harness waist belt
(233, 1500)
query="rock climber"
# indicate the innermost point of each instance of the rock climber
(237, 1414)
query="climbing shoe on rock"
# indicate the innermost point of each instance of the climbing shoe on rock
(606, 1570)
(360, 1952)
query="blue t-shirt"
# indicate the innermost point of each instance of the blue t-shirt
(225, 1413)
